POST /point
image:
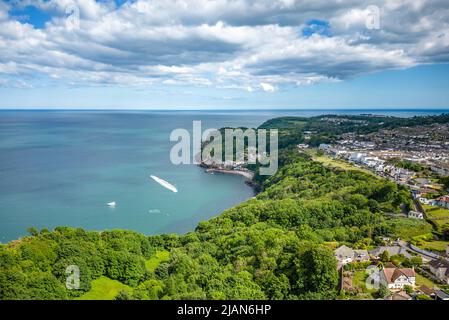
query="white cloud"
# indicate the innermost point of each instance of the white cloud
(267, 87)
(239, 44)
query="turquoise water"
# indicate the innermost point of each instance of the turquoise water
(60, 168)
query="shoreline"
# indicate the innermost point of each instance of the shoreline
(249, 175)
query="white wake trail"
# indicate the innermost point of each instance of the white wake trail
(164, 183)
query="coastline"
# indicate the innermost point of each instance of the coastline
(249, 175)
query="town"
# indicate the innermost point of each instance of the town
(418, 159)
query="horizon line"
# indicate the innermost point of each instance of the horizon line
(235, 109)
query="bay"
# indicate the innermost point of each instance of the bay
(61, 168)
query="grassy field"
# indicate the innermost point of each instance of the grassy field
(152, 263)
(420, 280)
(406, 229)
(440, 216)
(435, 245)
(427, 242)
(359, 281)
(336, 163)
(104, 288)
(436, 212)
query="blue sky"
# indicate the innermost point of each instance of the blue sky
(220, 54)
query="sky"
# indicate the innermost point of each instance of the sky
(224, 54)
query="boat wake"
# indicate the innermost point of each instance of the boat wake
(164, 183)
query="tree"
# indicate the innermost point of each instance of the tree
(446, 233)
(33, 231)
(445, 181)
(125, 267)
(408, 289)
(317, 270)
(385, 256)
(383, 291)
(123, 295)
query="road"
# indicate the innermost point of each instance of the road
(406, 246)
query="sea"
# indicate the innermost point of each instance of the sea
(62, 168)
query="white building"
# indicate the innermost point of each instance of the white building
(356, 156)
(415, 215)
(430, 202)
(324, 147)
(397, 278)
(345, 255)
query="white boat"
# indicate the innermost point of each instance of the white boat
(164, 183)
(111, 204)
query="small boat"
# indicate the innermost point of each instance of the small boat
(111, 204)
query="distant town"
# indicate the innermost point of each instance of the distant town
(415, 157)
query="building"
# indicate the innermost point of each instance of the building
(392, 250)
(440, 268)
(423, 289)
(415, 215)
(356, 157)
(430, 202)
(397, 278)
(324, 147)
(443, 202)
(345, 255)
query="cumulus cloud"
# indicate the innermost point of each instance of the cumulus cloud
(267, 87)
(239, 44)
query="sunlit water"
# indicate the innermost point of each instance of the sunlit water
(61, 168)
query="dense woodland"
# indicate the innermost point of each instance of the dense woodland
(275, 246)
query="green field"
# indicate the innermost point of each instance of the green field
(336, 163)
(438, 215)
(427, 242)
(160, 256)
(104, 288)
(359, 281)
(435, 245)
(406, 228)
(436, 212)
(420, 280)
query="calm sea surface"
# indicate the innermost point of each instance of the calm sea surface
(60, 168)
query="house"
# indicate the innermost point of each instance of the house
(397, 278)
(361, 255)
(392, 250)
(415, 215)
(443, 201)
(427, 291)
(430, 202)
(356, 157)
(324, 147)
(345, 255)
(440, 268)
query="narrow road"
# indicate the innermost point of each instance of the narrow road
(406, 246)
